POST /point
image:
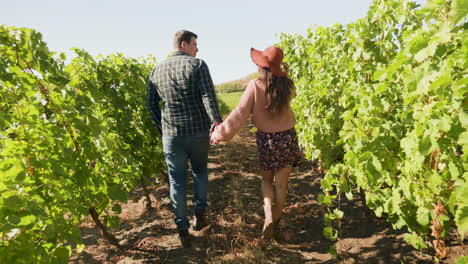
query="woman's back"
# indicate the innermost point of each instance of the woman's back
(253, 102)
(263, 119)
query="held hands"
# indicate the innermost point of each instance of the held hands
(213, 138)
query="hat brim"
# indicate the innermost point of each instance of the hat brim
(258, 58)
(262, 61)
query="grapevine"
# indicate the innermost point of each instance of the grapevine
(382, 104)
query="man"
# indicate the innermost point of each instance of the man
(189, 108)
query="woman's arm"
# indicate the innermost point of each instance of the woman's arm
(229, 127)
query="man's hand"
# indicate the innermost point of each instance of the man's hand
(213, 126)
(213, 140)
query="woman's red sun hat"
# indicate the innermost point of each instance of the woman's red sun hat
(270, 58)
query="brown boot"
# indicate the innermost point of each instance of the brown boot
(268, 230)
(276, 229)
(268, 226)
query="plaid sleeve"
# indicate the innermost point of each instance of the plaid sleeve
(152, 103)
(208, 93)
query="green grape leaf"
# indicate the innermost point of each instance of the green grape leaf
(415, 240)
(461, 219)
(462, 260)
(330, 233)
(458, 11)
(62, 254)
(423, 216)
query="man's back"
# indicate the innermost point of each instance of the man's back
(184, 85)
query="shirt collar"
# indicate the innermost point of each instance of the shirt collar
(179, 53)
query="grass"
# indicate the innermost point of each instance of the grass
(229, 93)
(230, 87)
(231, 99)
(236, 85)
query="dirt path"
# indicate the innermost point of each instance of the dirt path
(236, 214)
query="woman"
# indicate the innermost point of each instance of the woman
(267, 100)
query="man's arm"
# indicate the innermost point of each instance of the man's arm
(152, 103)
(208, 93)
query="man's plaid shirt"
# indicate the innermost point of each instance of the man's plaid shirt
(183, 84)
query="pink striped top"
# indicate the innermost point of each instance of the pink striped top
(253, 102)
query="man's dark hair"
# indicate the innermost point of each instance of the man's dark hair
(183, 35)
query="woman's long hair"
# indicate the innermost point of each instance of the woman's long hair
(278, 89)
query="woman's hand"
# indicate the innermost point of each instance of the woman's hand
(213, 127)
(214, 141)
(213, 135)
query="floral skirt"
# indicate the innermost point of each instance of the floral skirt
(278, 150)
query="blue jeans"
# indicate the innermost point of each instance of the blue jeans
(178, 150)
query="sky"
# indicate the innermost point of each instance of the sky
(226, 29)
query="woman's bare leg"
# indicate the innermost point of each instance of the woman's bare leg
(268, 198)
(281, 191)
